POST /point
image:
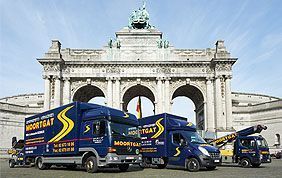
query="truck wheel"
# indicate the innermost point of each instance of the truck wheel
(161, 166)
(245, 162)
(210, 168)
(12, 163)
(193, 165)
(123, 167)
(256, 165)
(91, 164)
(71, 166)
(39, 164)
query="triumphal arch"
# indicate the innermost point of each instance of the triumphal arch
(140, 62)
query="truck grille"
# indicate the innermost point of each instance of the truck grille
(215, 155)
(126, 151)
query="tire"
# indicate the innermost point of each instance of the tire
(161, 166)
(71, 166)
(192, 165)
(123, 167)
(256, 165)
(39, 164)
(12, 163)
(91, 164)
(210, 168)
(245, 163)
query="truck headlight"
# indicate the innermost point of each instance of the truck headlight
(204, 151)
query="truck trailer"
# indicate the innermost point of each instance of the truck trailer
(169, 139)
(243, 148)
(79, 133)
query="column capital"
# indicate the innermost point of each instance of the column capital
(56, 77)
(159, 78)
(167, 78)
(209, 78)
(66, 78)
(228, 76)
(117, 78)
(46, 76)
(218, 76)
(109, 78)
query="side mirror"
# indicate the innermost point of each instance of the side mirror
(183, 142)
(14, 141)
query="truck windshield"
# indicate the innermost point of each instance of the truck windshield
(193, 137)
(124, 130)
(262, 143)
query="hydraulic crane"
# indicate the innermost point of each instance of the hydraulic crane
(246, 150)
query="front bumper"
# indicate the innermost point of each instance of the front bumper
(113, 158)
(207, 161)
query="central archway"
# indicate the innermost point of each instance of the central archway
(197, 97)
(135, 91)
(87, 92)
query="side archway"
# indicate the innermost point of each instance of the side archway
(87, 92)
(197, 97)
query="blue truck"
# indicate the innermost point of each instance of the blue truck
(244, 148)
(79, 134)
(169, 139)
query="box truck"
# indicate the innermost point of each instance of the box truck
(79, 134)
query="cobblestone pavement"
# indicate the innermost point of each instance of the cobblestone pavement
(267, 170)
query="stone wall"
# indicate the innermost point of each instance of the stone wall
(12, 122)
(268, 113)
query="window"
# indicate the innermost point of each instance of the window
(99, 128)
(248, 143)
(262, 143)
(118, 129)
(176, 138)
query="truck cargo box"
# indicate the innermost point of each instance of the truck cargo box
(53, 132)
(154, 130)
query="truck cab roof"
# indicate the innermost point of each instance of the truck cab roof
(93, 111)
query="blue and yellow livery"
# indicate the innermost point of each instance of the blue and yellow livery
(170, 139)
(82, 134)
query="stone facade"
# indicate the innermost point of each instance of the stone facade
(134, 64)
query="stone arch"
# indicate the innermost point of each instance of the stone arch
(197, 96)
(86, 92)
(137, 90)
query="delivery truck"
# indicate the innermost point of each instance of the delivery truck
(244, 148)
(169, 139)
(80, 134)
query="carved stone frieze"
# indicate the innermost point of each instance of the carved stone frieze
(223, 67)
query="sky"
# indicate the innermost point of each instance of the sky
(251, 29)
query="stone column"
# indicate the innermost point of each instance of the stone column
(117, 93)
(159, 95)
(47, 88)
(167, 98)
(218, 104)
(210, 125)
(67, 89)
(228, 102)
(110, 92)
(57, 98)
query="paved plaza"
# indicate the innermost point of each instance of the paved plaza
(267, 170)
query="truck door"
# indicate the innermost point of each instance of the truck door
(93, 134)
(176, 155)
(246, 147)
